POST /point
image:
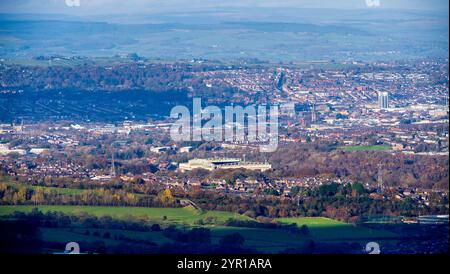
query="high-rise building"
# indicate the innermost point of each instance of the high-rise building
(313, 113)
(383, 99)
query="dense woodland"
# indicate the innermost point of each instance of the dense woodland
(91, 77)
(116, 77)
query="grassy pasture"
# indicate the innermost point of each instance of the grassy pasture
(187, 215)
(366, 148)
(262, 239)
(328, 229)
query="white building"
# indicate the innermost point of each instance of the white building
(222, 163)
(4, 150)
(383, 99)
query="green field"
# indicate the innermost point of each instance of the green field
(311, 222)
(187, 215)
(59, 190)
(366, 148)
(266, 240)
(262, 239)
(329, 229)
(78, 235)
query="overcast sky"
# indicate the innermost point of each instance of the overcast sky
(89, 7)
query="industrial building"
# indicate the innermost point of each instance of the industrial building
(222, 163)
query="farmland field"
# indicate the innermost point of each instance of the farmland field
(47, 189)
(366, 148)
(328, 229)
(187, 215)
(265, 240)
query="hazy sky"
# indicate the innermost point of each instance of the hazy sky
(87, 7)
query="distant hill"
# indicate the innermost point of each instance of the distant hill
(265, 34)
